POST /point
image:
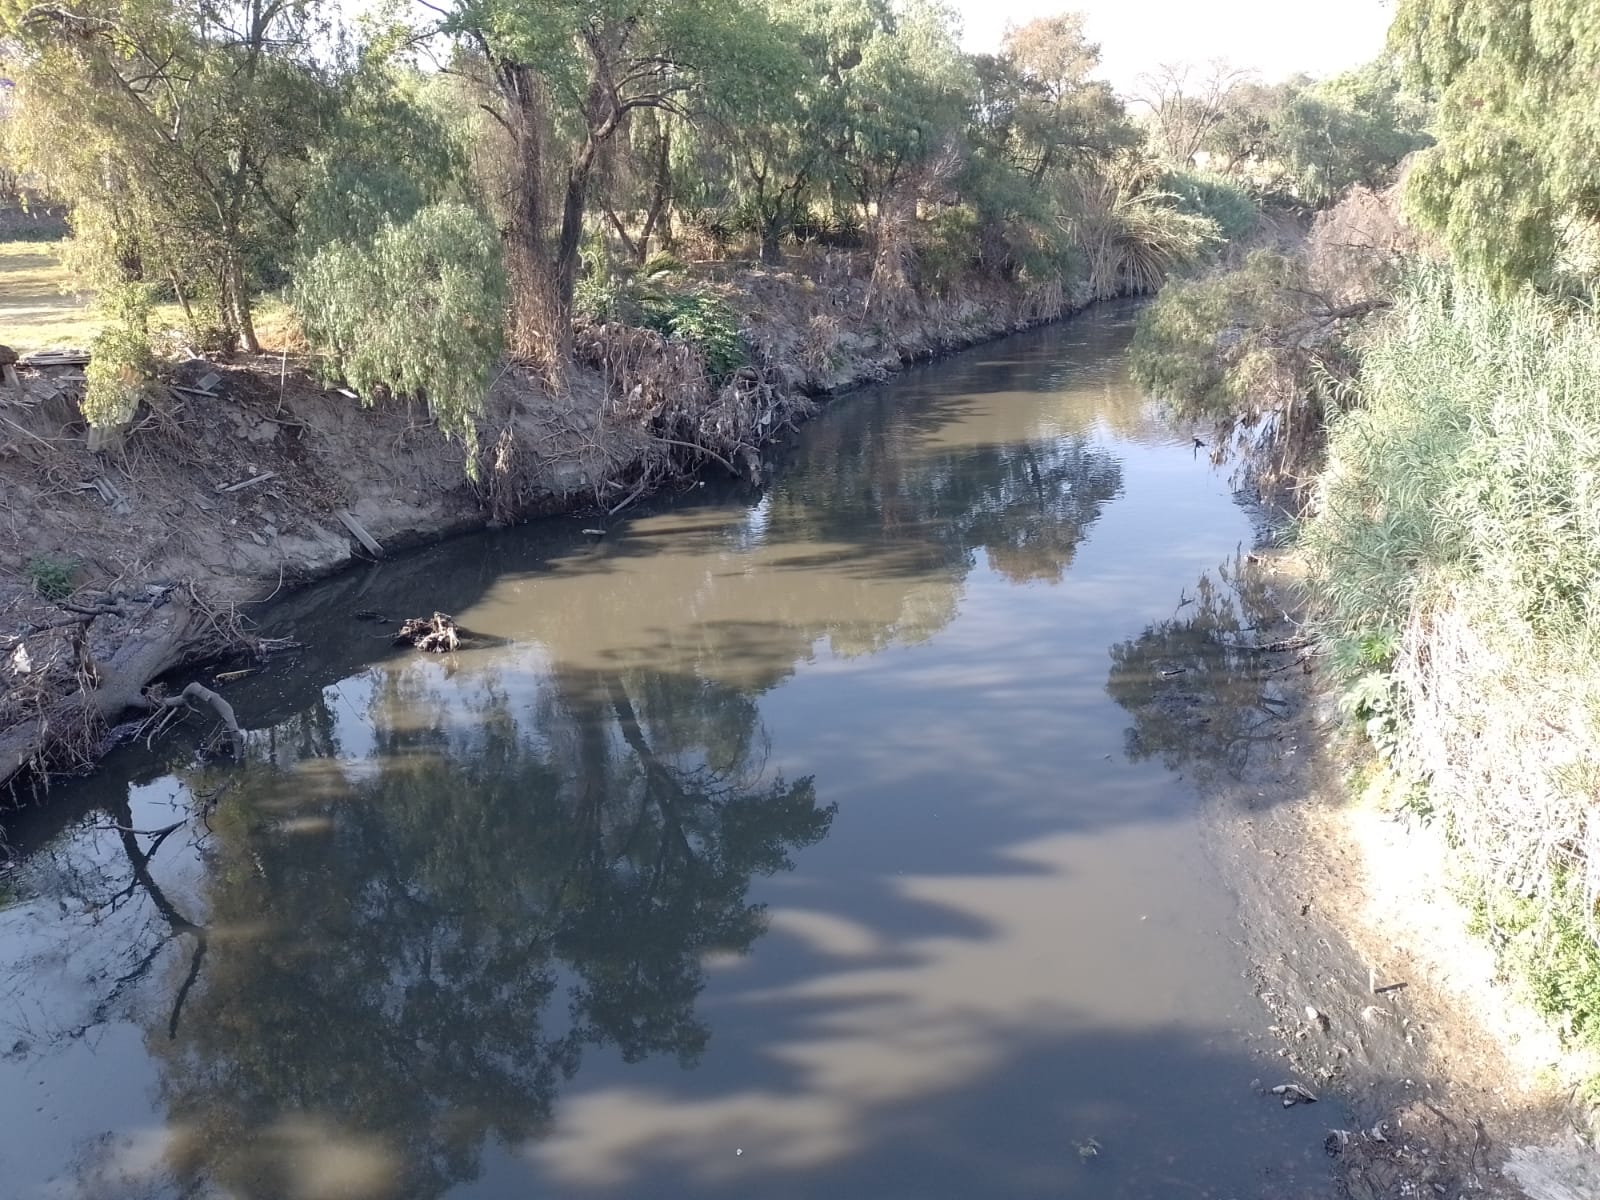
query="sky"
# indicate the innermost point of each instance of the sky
(1274, 38)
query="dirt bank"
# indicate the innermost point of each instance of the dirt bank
(1377, 990)
(240, 479)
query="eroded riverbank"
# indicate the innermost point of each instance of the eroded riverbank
(1361, 951)
(249, 479)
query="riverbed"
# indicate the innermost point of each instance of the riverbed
(838, 838)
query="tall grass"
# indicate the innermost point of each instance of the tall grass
(1455, 541)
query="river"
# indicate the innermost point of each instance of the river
(837, 840)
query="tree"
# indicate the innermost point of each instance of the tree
(1061, 117)
(1187, 104)
(901, 106)
(173, 132)
(1516, 167)
(1354, 128)
(565, 78)
(418, 308)
(775, 123)
(1245, 131)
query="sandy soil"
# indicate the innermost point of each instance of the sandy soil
(1377, 990)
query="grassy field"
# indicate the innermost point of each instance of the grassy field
(41, 308)
(37, 305)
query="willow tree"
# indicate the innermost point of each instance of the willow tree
(902, 104)
(168, 127)
(1516, 167)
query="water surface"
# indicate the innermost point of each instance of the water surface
(821, 842)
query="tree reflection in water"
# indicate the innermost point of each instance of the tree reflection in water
(434, 887)
(1201, 698)
(423, 947)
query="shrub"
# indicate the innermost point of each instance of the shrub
(946, 247)
(121, 364)
(51, 577)
(700, 318)
(1131, 237)
(662, 262)
(1459, 520)
(1217, 198)
(418, 310)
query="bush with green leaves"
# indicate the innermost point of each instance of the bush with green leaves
(1207, 347)
(1549, 949)
(418, 310)
(701, 318)
(1216, 197)
(51, 577)
(121, 364)
(946, 246)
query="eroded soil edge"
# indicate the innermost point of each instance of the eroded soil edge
(240, 480)
(1377, 992)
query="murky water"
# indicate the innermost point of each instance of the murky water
(818, 843)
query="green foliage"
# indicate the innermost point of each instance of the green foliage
(1460, 507)
(1373, 699)
(1471, 463)
(418, 310)
(662, 262)
(175, 133)
(700, 318)
(1216, 197)
(51, 577)
(945, 247)
(1517, 161)
(120, 364)
(1354, 128)
(1545, 943)
(1206, 346)
(1131, 237)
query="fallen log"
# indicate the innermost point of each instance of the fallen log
(158, 640)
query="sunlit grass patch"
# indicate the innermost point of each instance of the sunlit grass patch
(42, 306)
(39, 306)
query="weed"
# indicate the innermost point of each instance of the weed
(51, 577)
(700, 318)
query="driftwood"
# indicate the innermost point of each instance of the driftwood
(158, 640)
(361, 535)
(436, 634)
(198, 693)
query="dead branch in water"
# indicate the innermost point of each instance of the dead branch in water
(198, 693)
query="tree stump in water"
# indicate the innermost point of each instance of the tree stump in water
(436, 634)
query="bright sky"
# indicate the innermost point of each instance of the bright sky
(1275, 38)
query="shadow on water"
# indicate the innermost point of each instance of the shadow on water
(731, 836)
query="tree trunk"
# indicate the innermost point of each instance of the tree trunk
(661, 191)
(577, 193)
(772, 240)
(534, 331)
